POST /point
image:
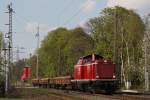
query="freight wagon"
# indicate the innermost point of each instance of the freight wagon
(91, 73)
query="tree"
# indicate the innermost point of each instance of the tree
(32, 63)
(146, 50)
(118, 35)
(1, 68)
(61, 49)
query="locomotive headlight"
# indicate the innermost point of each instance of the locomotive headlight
(97, 76)
(114, 76)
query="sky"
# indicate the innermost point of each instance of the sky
(51, 14)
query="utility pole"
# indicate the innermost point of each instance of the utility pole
(37, 55)
(10, 46)
(115, 30)
(18, 52)
(146, 67)
(5, 66)
(9, 36)
(115, 33)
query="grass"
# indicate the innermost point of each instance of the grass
(32, 94)
(10, 99)
(23, 93)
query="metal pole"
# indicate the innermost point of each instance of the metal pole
(6, 71)
(5, 64)
(115, 32)
(10, 52)
(145, 69)
(37, 63)
(17, 54)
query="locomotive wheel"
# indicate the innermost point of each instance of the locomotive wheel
(49, 86)
(91, 90)
(84, 88)
(109, 90)
(73, 87)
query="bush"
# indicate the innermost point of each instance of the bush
(2, 88)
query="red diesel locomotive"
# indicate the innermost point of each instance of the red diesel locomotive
(91, 73)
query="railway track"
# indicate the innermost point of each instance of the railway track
(80, 95)
(77, 95)
(99, 96)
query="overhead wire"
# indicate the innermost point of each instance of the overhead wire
(76, 14)
(66, 7)
(22, 18)
(23, 21)
(64, 10)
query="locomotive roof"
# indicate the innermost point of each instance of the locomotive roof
(88, 56)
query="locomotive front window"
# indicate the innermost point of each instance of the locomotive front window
(79, 61)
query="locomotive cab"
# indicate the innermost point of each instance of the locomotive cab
(94, 72)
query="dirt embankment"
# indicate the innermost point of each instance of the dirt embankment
(38, 94)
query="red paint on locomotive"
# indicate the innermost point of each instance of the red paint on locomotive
(105, 69)
(93, 67)
(78, 72)
(97, 73)
(90, 73)
(25, 73)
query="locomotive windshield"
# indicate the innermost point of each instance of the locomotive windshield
(80, 61)
(89, 59)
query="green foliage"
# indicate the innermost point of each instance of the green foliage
(121, 30)
(18, 69)
(117, 34)
(32, 63)
(61, 49)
